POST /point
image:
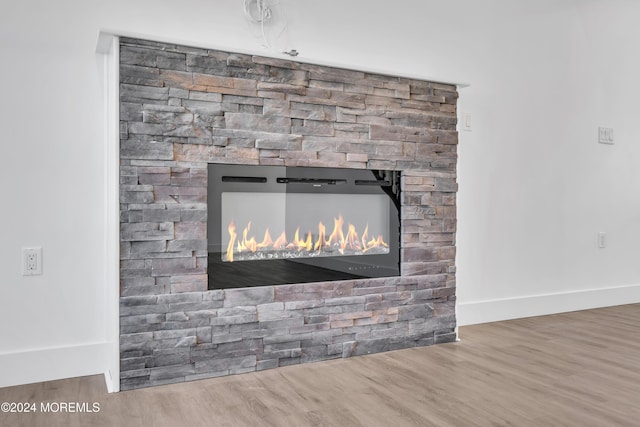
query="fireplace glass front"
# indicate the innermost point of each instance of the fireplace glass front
(272, 225)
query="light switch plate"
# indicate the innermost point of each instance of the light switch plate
(605, 135)
(466, 122)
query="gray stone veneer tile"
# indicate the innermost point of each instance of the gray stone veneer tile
(183, 107)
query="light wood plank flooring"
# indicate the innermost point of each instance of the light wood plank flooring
(574, 369)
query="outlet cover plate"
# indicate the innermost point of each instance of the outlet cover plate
(32, 261)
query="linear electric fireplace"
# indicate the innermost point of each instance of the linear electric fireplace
(275, 212)
(272, 225)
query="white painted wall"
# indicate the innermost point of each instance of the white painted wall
(535, 187)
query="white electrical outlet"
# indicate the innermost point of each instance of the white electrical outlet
(602, 239)
(31, 261)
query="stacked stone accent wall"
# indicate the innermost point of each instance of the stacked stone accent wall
(182, 108)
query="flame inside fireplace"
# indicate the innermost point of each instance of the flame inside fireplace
(338, 243)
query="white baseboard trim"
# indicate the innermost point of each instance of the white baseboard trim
(53, 363)
(475, 312)
(108, 380)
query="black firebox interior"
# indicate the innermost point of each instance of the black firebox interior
(271, 225)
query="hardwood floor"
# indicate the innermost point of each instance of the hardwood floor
(573, 369)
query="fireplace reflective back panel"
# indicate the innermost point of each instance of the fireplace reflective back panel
(270, 225)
